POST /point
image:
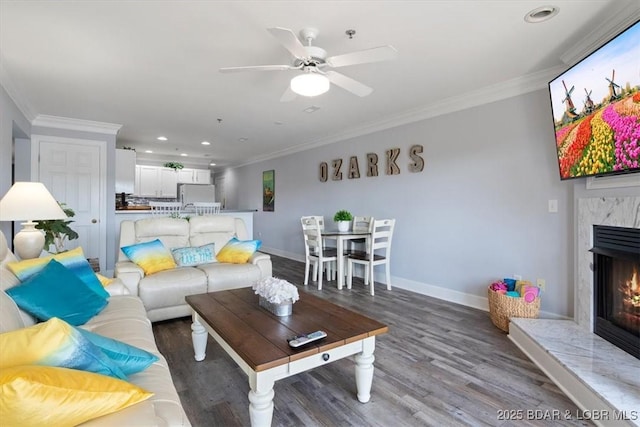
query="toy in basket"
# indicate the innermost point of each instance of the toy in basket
(508, 298)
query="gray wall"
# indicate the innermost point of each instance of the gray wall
(13, 125)
(478, 212)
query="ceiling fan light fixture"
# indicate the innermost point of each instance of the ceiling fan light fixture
(310, 84)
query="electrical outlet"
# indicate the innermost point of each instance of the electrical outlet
(517, 277)
(541, 284)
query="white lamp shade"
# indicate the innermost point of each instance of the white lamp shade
(29, 201)
(310, 84)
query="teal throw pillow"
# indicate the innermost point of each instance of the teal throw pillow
(128, 358)
(74, 260)
(189, 256)
(56, 292)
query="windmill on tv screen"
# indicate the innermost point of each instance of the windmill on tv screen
(599, 133)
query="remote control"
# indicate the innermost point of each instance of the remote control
(306, 338)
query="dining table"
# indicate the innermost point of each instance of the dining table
(340, 237)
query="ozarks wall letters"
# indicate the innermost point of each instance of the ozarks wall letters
(352, 169)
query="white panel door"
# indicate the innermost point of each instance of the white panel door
(72, 172)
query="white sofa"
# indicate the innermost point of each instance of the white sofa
(123, 319)
(163, 293)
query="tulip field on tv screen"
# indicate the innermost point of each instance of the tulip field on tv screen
(605, 141)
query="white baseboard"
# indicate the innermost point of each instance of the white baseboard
(439, 292)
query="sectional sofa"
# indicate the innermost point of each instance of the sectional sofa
(124, 319)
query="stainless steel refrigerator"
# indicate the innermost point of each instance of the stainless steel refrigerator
(192, 193)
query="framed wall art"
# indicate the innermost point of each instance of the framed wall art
(268, 190)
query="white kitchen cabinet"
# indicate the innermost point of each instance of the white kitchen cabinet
(168, 186)
(125, 171)
(185, 176)
(154, 181)
(194, 176)
(201, 176)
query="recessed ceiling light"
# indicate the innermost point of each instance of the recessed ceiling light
(243, 139)
(541, 14)
(311, 109)
(212, 164)
(148, 151)
(205, 143)
(162, 138)
(184, 154)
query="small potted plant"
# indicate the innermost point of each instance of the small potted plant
(343, 218)
(174, 165)
(56, 231)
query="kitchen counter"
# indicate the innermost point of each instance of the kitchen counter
(133, 208)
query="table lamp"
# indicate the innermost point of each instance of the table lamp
(29, 201)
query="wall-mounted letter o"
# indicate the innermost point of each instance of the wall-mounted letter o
(324, 172)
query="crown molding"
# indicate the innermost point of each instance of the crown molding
(503, 90)
(160, 159)
(601, 34)
(75, 124)
(9, 86)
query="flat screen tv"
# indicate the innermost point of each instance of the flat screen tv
(596, 110)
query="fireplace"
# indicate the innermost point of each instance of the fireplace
(616, 274)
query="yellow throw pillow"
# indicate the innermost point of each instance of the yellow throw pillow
(151, 256)
(55, 343)
(44, 395)
(104, 280)
(238, 251)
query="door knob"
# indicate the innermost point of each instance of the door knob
(93, 221)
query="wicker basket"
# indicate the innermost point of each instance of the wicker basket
(502, 308)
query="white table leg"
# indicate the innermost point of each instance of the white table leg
(340, 261)
(199, 338)
(260, 401)
(364, 370)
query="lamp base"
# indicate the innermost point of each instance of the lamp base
(29, 242)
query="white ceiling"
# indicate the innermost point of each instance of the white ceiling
(152, 66)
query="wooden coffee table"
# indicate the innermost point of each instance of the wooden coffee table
(257, 341)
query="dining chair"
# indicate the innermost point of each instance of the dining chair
(360, 224)
(172, 209)
(207, 208)
(380, 241)
(315, 252)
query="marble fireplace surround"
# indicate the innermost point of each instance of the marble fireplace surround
(594, 373)
(614, 211)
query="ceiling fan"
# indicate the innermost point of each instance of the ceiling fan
(313, 62)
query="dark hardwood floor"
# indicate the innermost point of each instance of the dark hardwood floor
(441, 364)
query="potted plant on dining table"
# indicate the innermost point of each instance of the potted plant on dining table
(343, 218)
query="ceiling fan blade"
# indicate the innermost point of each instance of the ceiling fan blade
(289, 41)
(288, 95)
(376, 54)
(348, 84)
(258, 68)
